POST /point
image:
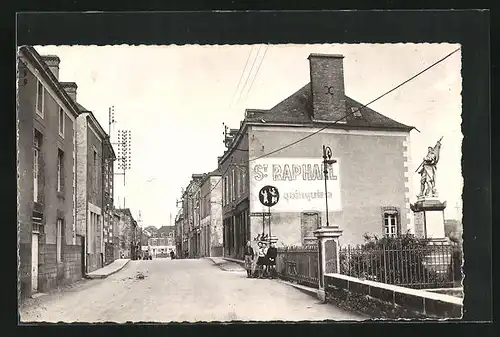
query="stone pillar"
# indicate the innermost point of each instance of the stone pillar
(328, 255)
(429, 218)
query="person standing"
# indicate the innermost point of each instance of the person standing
(261, 260)
(271, 255)
(249, 256)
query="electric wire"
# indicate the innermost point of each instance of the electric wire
(336, 121)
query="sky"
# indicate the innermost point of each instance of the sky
(174, 100)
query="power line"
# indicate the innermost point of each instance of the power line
(241, 77)
(338, 120)
(356, 110)
(258, 68)
(249, 73)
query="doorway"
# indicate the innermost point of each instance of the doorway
(34, 262)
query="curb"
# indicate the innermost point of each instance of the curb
(304, 289)
(241, 263)
(100, 277)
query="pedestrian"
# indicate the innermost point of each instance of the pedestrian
(249, 256)
(271, 255)
(172, 255)
(261, 260)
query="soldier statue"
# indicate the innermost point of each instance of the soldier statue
(427, 171)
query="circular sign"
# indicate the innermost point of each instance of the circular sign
(269, 196)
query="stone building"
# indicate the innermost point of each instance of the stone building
(179, 220)
(191, 216)
(368, 186)
(127, 233)
(211, 215)
(91, 160)
(49, 252)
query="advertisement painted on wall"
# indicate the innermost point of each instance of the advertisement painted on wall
(300, 182)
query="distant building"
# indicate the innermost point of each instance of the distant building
(368, 186)
(190, 205)
(211, 215)
(179, 220)
(129, 245)
(49, 252)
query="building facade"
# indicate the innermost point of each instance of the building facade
(109, 228)
(179, 220)
(191, 210)
(211, 215)
(90, 187)
(368, 186)
(49, 252)
(129, 246)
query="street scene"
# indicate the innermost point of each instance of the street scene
(239, 183)
(164, 290)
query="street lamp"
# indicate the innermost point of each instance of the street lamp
(327, 161)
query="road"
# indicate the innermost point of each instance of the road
(179, 291)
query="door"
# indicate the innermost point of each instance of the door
(34, 262)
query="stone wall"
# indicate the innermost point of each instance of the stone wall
(52, 274)
(110, 252)
(25, 269)
(388, 301)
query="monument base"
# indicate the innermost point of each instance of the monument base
(429, 218)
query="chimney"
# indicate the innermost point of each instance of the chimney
(52, 61)
(327, 86)
(70, 88)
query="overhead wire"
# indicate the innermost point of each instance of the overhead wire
(257, 72)
(241, 77)
(249, 73)
(339, 119)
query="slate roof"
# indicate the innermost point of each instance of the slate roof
(297, 109)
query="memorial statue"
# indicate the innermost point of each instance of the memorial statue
(427, 171)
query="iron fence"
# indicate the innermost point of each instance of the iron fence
(428, 266)
(298, 264)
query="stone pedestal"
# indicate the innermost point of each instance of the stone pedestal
(328, 255)
(429, 218)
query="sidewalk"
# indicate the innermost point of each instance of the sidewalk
(225, 264)
(111, 268)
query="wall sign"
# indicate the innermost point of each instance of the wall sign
(269, 196)
(300, 182)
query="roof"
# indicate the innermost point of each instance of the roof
(297, 109)
(38, 62)
(95, 123)
(125, 211)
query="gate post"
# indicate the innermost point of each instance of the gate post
(328, 255)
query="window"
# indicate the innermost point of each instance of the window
(390, 221)
(233, 185)
(95, 170)
(238, 183)
(37, 143)
(61, 122)
(59, 232)
(40, 98)
(226, 191)
(60, 171)
(243, 181)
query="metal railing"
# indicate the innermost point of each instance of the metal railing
(298, 264)
(429, 266)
